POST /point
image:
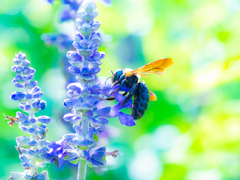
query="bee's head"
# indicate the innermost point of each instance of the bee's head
(117, 75)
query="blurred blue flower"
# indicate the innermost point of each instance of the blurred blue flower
(50, 1)
(61, 40)
(33, 150)
(106, 2)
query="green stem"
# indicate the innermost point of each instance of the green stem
(82, 169)
(34, 169)
(82, 164)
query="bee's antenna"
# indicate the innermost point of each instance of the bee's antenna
(107, 79)
(110, 71)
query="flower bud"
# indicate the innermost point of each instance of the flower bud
(44, 119)
(30, 85)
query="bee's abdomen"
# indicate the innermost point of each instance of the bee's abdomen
(141, 101)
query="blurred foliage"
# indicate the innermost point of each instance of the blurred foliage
(191, 133)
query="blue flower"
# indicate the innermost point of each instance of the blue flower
(76, 140)
(72, 155)
(96, 157)
(125, 119)
(61, 40)
(88, 115)
(33, 150)
(67, 14)
(55, 151)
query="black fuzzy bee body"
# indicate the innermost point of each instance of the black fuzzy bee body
(137, 89)
(141, 101)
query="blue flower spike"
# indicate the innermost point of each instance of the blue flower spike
(34, 151)
(88, 116)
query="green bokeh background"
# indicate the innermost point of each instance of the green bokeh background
(191, 133)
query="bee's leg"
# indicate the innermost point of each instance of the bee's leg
(113, 98)
(115, 83)
(121, 78)
(120, 87)
(110, 99)
(130, 95)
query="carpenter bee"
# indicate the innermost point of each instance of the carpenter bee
(130, 79)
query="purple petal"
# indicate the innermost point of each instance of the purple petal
(78, 129)
(126, 119)
(69, 136)
(89, 113)
(44, 119)
(115, 110)
(72, 154)
(68, 117)
(103, 112)
(74, 87)
(91, 134)
(85, 143)
(92, 101)
(100, 121)
(22, 140)
(73, 55)
(16, 96)
(120, 98)
(96, 163)
(68, 103)
(21, 116)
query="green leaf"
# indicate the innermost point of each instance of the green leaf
(90, 165)
(74, 161)
(104, 158)
(95, 137)
(66, 157)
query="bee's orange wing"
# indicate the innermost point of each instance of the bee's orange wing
(155, 67)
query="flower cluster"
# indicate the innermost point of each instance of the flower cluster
(34, 151)
(83, 97)
(87, 114)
